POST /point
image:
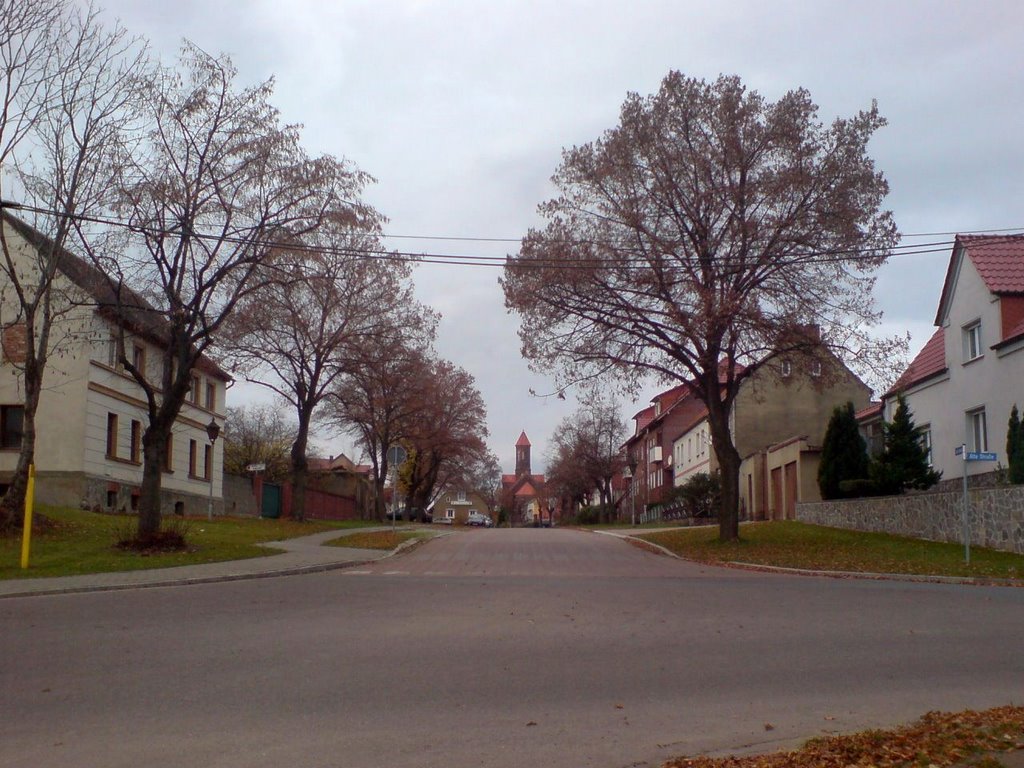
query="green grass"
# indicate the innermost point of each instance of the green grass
(798, 545)
(377, 539)
(83, 542)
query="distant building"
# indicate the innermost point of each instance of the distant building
(522, 493)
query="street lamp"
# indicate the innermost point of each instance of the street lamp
(212, 432)
(632, 488)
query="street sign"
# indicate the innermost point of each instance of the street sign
(261, 467)
(396, 455)
(959, 450)
(981, 456)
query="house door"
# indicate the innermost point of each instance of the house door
(272, 498)
(775, 513)
(791, 491)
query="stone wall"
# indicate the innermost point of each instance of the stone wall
(996, 516)
(239, 498)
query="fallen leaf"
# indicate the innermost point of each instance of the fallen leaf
(530, 723)
(769, 727)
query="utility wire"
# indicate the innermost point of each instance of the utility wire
(624, 256)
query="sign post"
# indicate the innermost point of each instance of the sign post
(970, 456)
(396, 456)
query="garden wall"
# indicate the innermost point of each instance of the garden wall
(996, 516)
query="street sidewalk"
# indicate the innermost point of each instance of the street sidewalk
(301, 555)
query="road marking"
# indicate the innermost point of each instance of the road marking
(396, 573)
(357, 573)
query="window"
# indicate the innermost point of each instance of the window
(139, 358)
(460, 496)
(972, 341)
(208, 462)
(136, 444)
(112, 350)
(111, 435)
(192, 450)
(449, 514)
(169, 454)
(194, 394)
(926, 442)
(12, 425)
(815, 367)
(211, 396)
(787, 369)
(977, 430)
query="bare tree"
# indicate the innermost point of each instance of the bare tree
(215, 194)
(448, 434)
(697, 240)
(66, 99)
(377, 400)
(258, 434)
(587, 451)
(297, 336)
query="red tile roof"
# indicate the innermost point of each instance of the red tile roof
(872, 411)
(999, 260)
(523, 440)
(643, 418)
(930, 361)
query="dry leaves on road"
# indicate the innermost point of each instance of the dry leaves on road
(938, 739)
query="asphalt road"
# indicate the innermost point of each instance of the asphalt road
(491, 648)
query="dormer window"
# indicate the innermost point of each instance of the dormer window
(787, 369)
(816, 368)
(972, 341)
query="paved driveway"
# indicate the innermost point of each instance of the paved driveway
(490, 648)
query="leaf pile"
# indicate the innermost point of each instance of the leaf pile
(937, 740)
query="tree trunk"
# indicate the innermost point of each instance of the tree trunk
(300, 469)
(14, 500)
(13, 503)
(728, 463)
(154, 444)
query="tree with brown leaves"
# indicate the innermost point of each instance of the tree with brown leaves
(300, 333)
(695, 241)
(216, 195)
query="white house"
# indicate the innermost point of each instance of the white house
(91, 414)
(961, 386)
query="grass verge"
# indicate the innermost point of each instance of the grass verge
(938, 739)
(80, 542)
(790, 544)
(377, 539)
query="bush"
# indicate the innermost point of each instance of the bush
(904, 461)
(844, 454)
(856, 489)
(699, 496)
(1015, 447)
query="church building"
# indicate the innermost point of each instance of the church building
(522, 494)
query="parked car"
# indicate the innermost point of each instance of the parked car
(479, 519)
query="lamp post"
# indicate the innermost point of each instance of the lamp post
(632, 488)
(212, 432)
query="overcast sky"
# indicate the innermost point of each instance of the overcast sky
(460, 110)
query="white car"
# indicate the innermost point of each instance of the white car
(476, 518)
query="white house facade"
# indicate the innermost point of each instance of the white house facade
(92, 415)
(961, 386)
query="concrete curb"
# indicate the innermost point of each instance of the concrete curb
(297, 570)
(910, 577)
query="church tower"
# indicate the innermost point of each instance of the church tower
(522, 455)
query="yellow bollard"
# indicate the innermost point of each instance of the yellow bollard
(26, 533)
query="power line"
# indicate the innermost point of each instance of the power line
(623, 256)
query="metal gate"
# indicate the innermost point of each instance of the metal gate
(272, 500)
